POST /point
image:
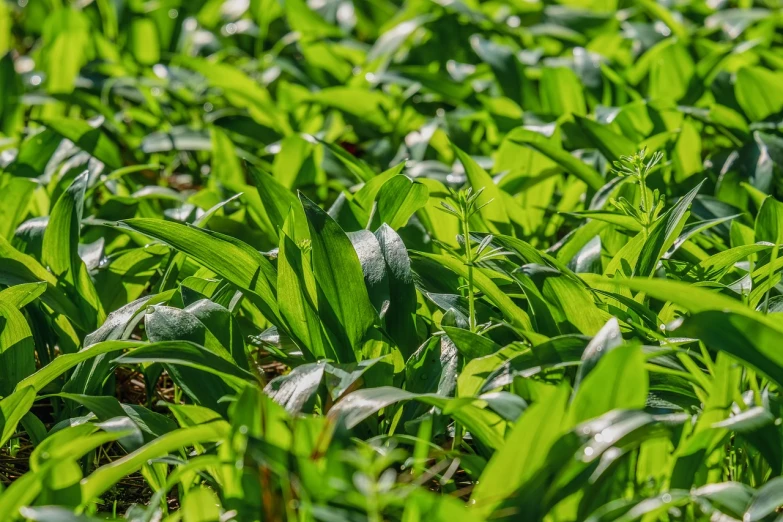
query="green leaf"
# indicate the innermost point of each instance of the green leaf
(569, 163)
(15, 195)
(61, 254)
(103, 478)
(230, 258)
(298, 297)
(66, 36)
(514, 314)
(188, 354)
(561, 92)
(12, 409)
(240, 90)
(357, 406)
(11, 105)
(296, 389)
(226, 166)
(369, 106)
(769, 221)
(524, 451)
(756, 92)
(90, 139)
(618, 381)
(278, 202)
(664, 233)
(494, 211)
(766, 501)
(65, 362)
(400, 317)
(608, 142)
(508, 70)
(356, 166)
(20, 296)
(748, 338)
(17, 349)
(376, 279)
(144, 41)
(53, 514)
(201, 504)
(18, 268)
(366, 195)
(343, 301)
(693, 298)
(399, 199)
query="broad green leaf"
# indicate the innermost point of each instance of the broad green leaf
(17, 348)
(13, 408)
(494, 212)
(693, 298)
(65, 362)
(756, 93)
(508, 70)
(278, 202)
(769, 221)
(297, 295)
(523, 452)
(561, 92)
(369, 106)
(766, 500)
(11, 106)
(90, 139)
(366, 196)
(297, 163)
(399, 199)
(201, 504)
(611, 144)
(18, 268)
(66, 36)
(376, 278)
(19, 296)
(356, 166)
(104, 477)
(671, 72)
(296, 389)
(342, 297)
(61, 255)
(15, 195)
(188, 354)
(745, 337)
(357, 406)
(144, 41)
(240, 90)
(569, 163)
(400, 317)
(226, 166)
(618, 381)
(227, 256)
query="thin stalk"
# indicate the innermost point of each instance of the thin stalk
(458, 428)
(645, 206)
(469, 259)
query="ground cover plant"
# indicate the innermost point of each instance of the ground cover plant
(365, 260)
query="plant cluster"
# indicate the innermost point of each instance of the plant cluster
(404, 260)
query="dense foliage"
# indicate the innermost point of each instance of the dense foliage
(391, 260)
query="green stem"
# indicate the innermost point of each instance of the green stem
(469, 259)
(645, 206)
